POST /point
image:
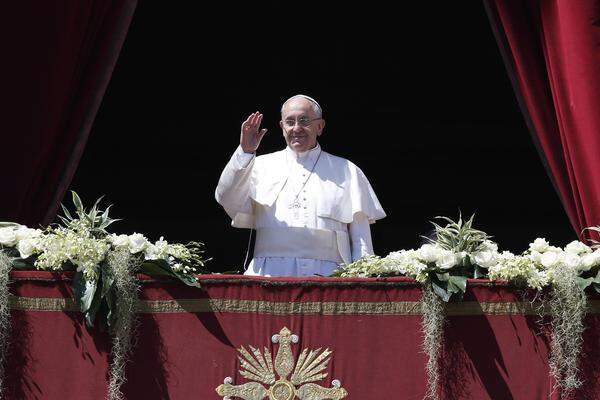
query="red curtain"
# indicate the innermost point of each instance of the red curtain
(57, 59)
(551, 49)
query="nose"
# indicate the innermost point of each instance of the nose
(297, 127)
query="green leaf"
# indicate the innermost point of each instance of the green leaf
(441, 291)
(457, 284)
(107, 281)
(110, 305)
(95, 206)
(20, 263)
(157, 268)
(66, 212)
(77, 201)
(90, 315)
(443, 277)
(84, 291)
(584, 282)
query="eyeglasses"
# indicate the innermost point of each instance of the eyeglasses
(302, 121)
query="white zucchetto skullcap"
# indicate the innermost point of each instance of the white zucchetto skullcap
(316, 103)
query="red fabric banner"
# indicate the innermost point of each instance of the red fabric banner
(551, 52)
(186, 347)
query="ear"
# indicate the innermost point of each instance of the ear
(281, 125)
(321, 127)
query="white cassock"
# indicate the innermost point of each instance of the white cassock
(306, 223)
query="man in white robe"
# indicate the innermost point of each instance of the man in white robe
(311, 210)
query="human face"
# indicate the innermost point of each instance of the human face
(300, 125)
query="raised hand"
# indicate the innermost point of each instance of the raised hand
(251, 136)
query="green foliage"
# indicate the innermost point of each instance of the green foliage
(458, 236)
(95, 220)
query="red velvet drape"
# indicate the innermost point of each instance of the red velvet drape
(57, 59)
(552, 52)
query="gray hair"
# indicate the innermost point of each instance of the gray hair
(315, 105)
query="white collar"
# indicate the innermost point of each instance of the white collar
(303, 157)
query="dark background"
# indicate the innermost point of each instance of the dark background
(417, 97)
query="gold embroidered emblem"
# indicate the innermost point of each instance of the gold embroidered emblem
(261, 369)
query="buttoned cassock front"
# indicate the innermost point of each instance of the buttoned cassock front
(328, 226)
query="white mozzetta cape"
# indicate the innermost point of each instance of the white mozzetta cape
(344, 189)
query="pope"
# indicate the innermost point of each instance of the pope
(311, 210)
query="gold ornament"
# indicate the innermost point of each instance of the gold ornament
(261, 369)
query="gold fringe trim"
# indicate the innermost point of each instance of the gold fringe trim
(464, 308)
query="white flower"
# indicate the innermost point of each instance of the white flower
(26, 247)
(137, 243)
(554, 249)
(429, 253)
(535, 256)
(491, 246)
(590, 260)
(485, 259)
(8, 236)
(24, 232)
(576, 247)
(151, 252)
(119, 240)
(571, 260)
(447, 259)
(550, 259)
(540, 245)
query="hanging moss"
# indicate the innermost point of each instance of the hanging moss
(122, 266)
(568, 304)
(5, 267)
(432, 325)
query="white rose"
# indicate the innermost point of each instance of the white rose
(137, 243)
(554, 249)
(590, 260)
(8, 237)
(429, 253)
(576, 247)
(571, 260)
(27, 233)
(540, 245)
(491, 246)
(119, 240)
(485, 259)
(26, 247)
(446, 259)
(550, 259)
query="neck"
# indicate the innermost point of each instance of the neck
(303, 151)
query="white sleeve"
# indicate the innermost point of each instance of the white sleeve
(234, 184)
(360, 236)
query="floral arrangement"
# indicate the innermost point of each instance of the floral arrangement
(105, 266)
(458, 252)
(82, 244)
